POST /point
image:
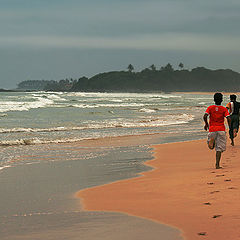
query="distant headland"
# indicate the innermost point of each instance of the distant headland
(151, 79)
(5, 90)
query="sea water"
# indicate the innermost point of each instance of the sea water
(46, 117)
(29, 118)
(51, 147)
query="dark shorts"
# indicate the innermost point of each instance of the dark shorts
(234, 124)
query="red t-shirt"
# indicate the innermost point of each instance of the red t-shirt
(217, 114)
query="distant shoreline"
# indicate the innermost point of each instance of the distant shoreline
(166, 79)
(147, 92)
(7, 90)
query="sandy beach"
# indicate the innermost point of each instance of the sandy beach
(183, 190)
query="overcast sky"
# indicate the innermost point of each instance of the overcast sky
(56, 39)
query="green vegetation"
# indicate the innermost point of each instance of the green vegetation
(166, 79)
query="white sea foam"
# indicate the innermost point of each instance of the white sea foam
(123, 95)
(146, 110)
(6, 106)
(108, 105)
(38, 141)
(152, 121)
(54, 129)
(55, 97)
(2, 167)
(146, 121)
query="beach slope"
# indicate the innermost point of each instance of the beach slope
(183, 190)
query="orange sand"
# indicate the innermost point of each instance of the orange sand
(174, 192)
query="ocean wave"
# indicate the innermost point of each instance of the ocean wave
(54, 129)
(147, 110)
(2, 167)
(154, 121)
(109, 105)
(124, 95)
(150, 121)
(51, 96)
(143, 122)
(36, 141)
(6, 106)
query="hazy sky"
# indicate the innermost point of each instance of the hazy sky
(56, 39)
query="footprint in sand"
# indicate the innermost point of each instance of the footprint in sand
(227, 180)
(202, 233)
(207, 203)
(232, 188)
(220, 175)
(214, 192)
(210, 183)
(217, 216)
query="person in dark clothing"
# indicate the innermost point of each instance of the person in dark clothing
(233, 108)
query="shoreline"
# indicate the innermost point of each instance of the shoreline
(56, 214)
(183, 191)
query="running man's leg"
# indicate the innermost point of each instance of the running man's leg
(220, 146)
(235, 125)
(211, 140)
(218, 158)
(231, 127)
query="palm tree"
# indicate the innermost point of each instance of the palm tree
(130, 68)
(181, 65)
(153, 67)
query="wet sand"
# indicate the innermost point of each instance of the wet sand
(183, 190)
(37, 191)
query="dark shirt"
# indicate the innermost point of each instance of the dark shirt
(236, 107)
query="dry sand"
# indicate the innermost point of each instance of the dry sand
(183, 190)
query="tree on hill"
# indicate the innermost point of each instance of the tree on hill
(147, 80)
(181, 65)
(130, 68)
(153, 67)
(167, 68)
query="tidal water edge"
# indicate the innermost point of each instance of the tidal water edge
(54, 144)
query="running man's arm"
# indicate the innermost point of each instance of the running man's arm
(226, 115)
(229, 120)
(205, 118)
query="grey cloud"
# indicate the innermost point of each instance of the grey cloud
(119, 18)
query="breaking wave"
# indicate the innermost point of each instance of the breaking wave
(119, 122)
(39, 102)
(38, 141)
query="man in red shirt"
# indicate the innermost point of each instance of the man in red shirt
(216, 127)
